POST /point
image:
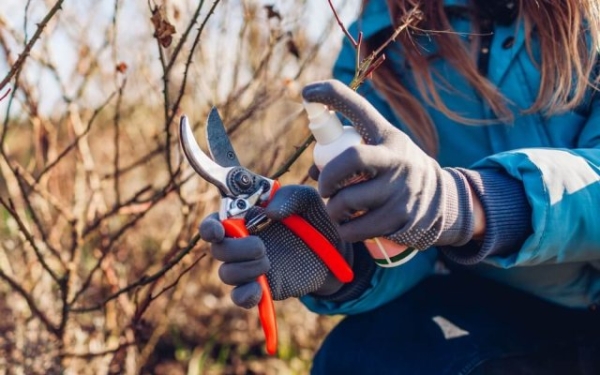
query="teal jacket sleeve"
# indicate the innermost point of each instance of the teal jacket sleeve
(562, 187)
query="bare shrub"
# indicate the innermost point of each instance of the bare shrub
(101, 268)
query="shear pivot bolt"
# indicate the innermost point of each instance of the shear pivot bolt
(245, 180)
(242, 180)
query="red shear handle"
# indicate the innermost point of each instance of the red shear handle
(318, 243)
(236, 228)
(321, 246)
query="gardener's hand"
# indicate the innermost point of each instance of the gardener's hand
(408, 197)
(292, 268)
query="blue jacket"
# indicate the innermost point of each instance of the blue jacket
(557, 160)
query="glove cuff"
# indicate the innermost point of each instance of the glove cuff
(332, 285)
(458, 220)
(508, 217)
(364, 267)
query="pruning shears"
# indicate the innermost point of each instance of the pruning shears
(241, 190)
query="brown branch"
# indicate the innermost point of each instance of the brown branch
(292, 159)
(35, 310)
(376, 58)
(21, 59)
(117, 122)
(103, 353)
(144, 280)
(115, 209)
(36, 220)
(73, 144)
(136, 163)
(184, 37)
(188, 63)
(176, 281)
(344, 29)
(5, 94)
(29, 237)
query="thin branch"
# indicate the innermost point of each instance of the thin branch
(21, 59)
(115, 209)
(117, 122)
(341, 24)
(5, 94)
(376, 58)
(73, 144)
(103, 353)
(144, 280)
(188, 63)
(36, 220)
(136, 163)
(29, 237)
(176, 281)
(35, 310)
(183, 38)
(292, 159)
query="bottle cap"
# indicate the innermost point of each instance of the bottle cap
(324, 124)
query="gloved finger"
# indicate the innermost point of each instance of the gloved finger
(243, 272)
(370, 124)
(211, 229)
(239, 249)
(292, 199)
(374, 223)
(247, 295)
(360, 197)
(353, 163)
(314, 172)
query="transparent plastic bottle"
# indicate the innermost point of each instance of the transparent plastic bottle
(331, 139)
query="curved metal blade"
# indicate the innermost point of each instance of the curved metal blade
(219, 145)
(202, 164)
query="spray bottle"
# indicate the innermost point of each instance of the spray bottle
(331, 139)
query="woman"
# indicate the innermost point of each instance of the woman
(482, 132)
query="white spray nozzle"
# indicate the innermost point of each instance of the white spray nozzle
(324, 124)
(314, 110)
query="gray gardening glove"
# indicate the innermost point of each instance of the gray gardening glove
(408, 198)
(292, 269)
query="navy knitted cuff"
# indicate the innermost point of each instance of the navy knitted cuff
(507, 215)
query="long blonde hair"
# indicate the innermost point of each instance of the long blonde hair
(568, 42)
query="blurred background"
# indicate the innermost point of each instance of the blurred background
(101, 268)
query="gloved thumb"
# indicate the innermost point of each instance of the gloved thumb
(211, 229)
(371, 125)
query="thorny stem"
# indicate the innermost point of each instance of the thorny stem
(21, 59)
(366, 67)
(288, 163)
(188, 63)
(184, 38)
(344, 29)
